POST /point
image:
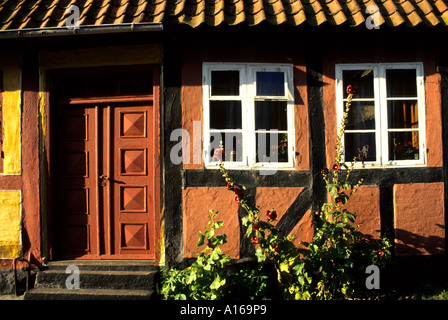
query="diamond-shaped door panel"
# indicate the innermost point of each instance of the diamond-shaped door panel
(133, 124)
(133, 199)
(134, 236)
(133, 161)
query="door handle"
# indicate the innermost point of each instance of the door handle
(103, 179)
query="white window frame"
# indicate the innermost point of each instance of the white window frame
(248, 97)
(380, 100)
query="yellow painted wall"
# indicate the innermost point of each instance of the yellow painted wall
(10, 201)
(10, 66)
(10, 226)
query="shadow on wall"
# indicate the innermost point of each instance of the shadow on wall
(408, 243)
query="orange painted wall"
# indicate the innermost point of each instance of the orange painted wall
(196, 205)
(198, 201)
(419, 211)
(304, 230)
(281, 199)
(365, 203)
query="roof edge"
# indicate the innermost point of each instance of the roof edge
(80, 30)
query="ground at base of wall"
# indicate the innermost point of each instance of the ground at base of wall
(11, 297)
(8, 283)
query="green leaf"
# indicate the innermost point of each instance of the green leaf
(221, 239)
(284, 267)
(260, 255)
(217, 282)
(191, 277)
(350, 216)
(209, 234)
(248, 232)
(333, 188)
(217, 224)
(180, 296)
(344, 197)
(298, 268)
(245, 220)
(201, 240)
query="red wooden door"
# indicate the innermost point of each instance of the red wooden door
(106, 193)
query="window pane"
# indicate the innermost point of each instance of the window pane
(271, 115)
(225, 83)
(360, 145)
(270, 84)
(225, 115)
(361, 80)
(361, 116)
(403, 146)
(401, 83)
(272, 147)
(233, 145)
(402, 114)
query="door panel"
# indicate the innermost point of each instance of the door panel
(105, 181)
(76, 181)
(133, 180)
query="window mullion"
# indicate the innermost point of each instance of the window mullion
(382, 109)
(249, 118)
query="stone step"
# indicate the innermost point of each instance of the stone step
(98, 280)
(89, 279)
(88, 294)
(112, 265)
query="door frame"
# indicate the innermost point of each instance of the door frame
(49, 152)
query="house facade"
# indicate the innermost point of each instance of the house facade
(110, 123)
(402, 170)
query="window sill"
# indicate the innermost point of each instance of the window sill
(286, 167)
(386, 166)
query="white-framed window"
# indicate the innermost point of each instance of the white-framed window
(250, 108)
(386, 122)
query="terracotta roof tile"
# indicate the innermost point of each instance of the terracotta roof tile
(24, 14)
(354, 12)
(234, 12)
